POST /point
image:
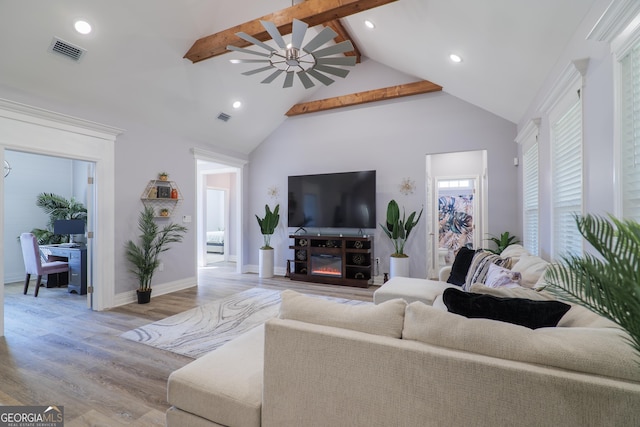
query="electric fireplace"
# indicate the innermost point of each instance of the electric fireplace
(326, 265)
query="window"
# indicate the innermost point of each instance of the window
(630, 133)
(530, 199)
(566, 179)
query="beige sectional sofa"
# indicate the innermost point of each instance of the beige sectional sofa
(322, 363)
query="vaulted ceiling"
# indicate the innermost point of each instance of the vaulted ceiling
(134, 63)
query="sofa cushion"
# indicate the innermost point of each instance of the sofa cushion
(410, 289)
(386, 318)
(598, 351)
(480, 267)
(520, 311)
(460, 266)
(225, 385)
(532, 268)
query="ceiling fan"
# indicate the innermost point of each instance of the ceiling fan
(293, 58)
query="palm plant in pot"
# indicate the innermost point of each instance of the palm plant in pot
(268, 226)
(398, 230)
(144, 256)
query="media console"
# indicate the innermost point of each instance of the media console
(332, 259)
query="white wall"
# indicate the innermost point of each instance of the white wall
(392, 137)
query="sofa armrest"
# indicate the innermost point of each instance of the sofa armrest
(444, 273)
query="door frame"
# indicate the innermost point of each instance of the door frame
(35, 130)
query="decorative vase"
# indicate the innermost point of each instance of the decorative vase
(144, 296)
(265, 265)
(399, 266)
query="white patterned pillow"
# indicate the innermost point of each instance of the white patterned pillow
(500, 277)
(480, 267)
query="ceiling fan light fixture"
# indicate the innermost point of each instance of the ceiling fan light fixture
(294, 58)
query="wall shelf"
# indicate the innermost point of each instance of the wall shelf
(158, 195)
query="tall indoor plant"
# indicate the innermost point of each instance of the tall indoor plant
(607, 283)
(143, 256)
(268, 226)
(398, 230)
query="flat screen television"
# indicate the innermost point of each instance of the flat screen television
(333, 200)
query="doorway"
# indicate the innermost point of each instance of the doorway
(456, 205)
(29, 176)
(217, 218)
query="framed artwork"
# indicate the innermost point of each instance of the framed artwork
(164, 192)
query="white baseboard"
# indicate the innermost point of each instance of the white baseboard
(161, 289)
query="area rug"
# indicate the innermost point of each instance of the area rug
(196, 332)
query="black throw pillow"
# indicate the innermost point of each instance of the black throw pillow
(520, 311)
(460, 266)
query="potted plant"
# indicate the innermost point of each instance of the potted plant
(502, 242)
(143, 256)
(57, 207)
(607, 283)
(398, 230)
(163, 176)
(268, 226)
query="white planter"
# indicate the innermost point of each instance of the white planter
(265, 265)
(399, 267)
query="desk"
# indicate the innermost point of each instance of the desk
(77, 259)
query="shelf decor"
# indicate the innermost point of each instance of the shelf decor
(162, 196)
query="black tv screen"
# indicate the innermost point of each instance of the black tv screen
(336, 200)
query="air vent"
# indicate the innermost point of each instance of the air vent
(224, 117)
(67, 49)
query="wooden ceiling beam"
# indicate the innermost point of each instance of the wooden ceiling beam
(344, 35)
(313, 12)
(423, 86)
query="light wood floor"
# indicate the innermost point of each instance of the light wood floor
(56, 352)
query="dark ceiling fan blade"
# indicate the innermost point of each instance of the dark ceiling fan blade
(252, 52)
(272, 76)
(298, 32)
(340, 72)
(323, 36)
(256, 71)
(320, 77)
(288, 80)
(341, 47)
(306, 81)
(251, 39)
(274, 33)
(338, 60)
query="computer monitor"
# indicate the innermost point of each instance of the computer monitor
(68, 226)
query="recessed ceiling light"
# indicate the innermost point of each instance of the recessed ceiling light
(369, 24)
(237, 104)
(83, 27)
(455, 58)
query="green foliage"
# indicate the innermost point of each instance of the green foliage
(268, 224)
(143, 257)
(397, 229)
(57, 207)
(502, 242)
(608, 283)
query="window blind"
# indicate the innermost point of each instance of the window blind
(630, 133)
(567, 180)
(530, 199)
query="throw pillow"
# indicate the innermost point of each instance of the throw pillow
(386, 318)
(460, 266)
(480, 267)
(519, 311)
(498, 277)
(515, 292)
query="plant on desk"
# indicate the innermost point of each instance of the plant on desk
(143, 256)
(57, 207)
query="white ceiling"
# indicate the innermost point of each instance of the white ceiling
(134, 64)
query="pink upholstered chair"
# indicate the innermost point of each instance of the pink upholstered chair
(34, 265)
